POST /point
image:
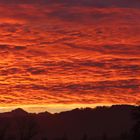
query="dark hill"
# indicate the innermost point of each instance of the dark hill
(95, 123)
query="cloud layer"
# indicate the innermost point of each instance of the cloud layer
(69, 52)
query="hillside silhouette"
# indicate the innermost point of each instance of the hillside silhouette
(118, 122)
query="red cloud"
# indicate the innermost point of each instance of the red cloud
(69, 53)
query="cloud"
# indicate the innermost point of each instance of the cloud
(89, 3)
(120, 49)
(65, 10)
(36, 70)
(69, 52)
(95, 92)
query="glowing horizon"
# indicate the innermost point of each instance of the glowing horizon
(56, 108)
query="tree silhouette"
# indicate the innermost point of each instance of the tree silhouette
(45, 138)
(104, 137)
(11, 138)
(4, 125)
(136, 128)
(124, 136)
(64, 137)
(27, 127)
(85, 137)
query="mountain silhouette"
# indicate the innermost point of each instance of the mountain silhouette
(19, 112)
(85, 123)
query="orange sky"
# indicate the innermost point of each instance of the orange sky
(60, 55)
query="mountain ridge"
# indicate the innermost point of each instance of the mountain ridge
(20, 109)
(95, 122)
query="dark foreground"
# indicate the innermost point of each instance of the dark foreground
(103, 123)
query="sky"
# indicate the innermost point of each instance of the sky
(57, 55)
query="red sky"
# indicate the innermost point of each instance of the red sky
(58, 55)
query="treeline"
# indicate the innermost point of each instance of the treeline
(26, 127)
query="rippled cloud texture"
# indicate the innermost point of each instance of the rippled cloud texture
(69, 52)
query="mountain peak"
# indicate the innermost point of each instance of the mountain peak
(19, 111)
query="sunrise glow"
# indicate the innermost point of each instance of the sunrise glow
(61, 55)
